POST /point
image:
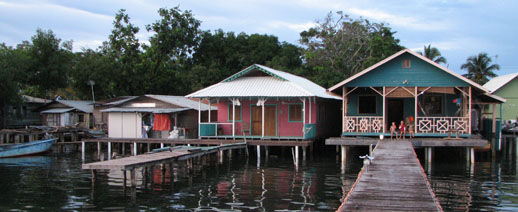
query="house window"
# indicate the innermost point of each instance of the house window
(295, 113)
(406, 63)
(367, 104)
(81, 118)
(432, 104)
(238, 112)
(52, 119)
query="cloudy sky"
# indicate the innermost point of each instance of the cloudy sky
(458, 29)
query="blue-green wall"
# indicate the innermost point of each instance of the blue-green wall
(420, 74)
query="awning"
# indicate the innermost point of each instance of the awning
(144, 110)
(57, 110)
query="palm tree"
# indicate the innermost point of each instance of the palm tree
(433, 54)
(480, 68)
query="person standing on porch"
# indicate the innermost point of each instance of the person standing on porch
(402, 129)
(393, 130)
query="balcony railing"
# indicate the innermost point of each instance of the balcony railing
(363, 124)
(442, 124)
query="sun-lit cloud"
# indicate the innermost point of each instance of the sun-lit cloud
(400, 20)
(297, 27)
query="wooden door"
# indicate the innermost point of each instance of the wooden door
(256, 122)
(270, 123)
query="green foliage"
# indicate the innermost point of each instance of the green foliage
(176, 35)
(49, 65)
(433, 54)
(340, 46)
(479, 68)
(123, 53)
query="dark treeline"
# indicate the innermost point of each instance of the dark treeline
(181, 58)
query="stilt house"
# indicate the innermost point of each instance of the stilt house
(261, 102)
(409, 87)
(154, 116)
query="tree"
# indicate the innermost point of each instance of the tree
(479, 68)
(339, 47)
(13, 62)
(433, 54)
(176, 36)
(123, 53)
(50, 62)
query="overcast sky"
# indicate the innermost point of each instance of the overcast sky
(458, 29)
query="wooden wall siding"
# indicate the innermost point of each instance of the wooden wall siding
(421, 73)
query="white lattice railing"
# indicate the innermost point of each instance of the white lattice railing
(363, 124)
(442, 124)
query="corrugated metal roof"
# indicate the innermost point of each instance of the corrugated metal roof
(32, 99)
(85, 106)
(278, 84)
(498, 82)
(145, 109)
(182, 102)
(57, 110)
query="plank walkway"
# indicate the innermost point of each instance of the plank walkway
(153, 158)
(395, 181)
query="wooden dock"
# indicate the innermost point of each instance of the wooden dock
(154, 158)
(163, 156)
(395, 181)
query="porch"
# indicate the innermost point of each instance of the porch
(428, 111)
(262, 119)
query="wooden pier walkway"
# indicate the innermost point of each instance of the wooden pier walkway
(153, 158)
(395, 181)
(164, 156)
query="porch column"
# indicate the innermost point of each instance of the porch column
(416, 104)
(209, 110)
(309, 111)
(199, 118)
(469, 110)
(233, 118)
(262, 118)
(344, 107)
(303, 114)
(384, 113)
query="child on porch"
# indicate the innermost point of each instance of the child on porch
(402, 129)
(411, 131)
(393, 130)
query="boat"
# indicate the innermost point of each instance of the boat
(29, 148)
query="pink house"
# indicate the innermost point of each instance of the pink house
(261, 102)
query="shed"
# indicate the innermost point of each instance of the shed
(153, 116)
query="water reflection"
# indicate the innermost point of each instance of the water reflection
(56, 183)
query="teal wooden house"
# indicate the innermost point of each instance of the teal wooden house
(407, 86)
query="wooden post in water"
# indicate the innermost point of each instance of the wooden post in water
(220, 156)
(109, 150)
(124, 178)
(93, 175)
(428, 159)
(135, 148)
(266, 153)
(296, 155)
(132, 178)
(344, 157)
(304, 150)
(83, 151)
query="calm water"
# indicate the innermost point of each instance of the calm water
(56, 183)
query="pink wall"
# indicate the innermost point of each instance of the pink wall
(284, 128)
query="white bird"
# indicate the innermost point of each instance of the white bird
(367, 159)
